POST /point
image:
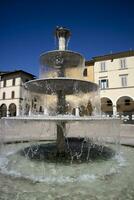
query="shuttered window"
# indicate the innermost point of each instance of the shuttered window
(103, 83)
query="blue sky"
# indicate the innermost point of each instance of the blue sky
(98, 27)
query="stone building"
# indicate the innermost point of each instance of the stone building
(12, 91)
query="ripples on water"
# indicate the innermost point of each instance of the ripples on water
(21, 178)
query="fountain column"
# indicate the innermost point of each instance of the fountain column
(114, 110)
(62, 35)
(77, 112)
(62, 45)
(18, 110)
(8, 113)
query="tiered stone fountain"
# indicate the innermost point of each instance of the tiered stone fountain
(59, 61)
(101, 167)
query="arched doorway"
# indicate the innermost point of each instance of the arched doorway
(12, 110)
(106, 106)
(125, 106)
(82, 110)
(3, 110)
(89, 109)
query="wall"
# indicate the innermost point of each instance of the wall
(36, 129)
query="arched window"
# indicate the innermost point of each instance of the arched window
(109, 103)
(12, 95)
(4, 95)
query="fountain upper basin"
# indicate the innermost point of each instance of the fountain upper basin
(59, 58)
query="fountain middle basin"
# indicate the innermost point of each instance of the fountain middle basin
(53, 85)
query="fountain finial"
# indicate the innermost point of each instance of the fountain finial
(62, 34)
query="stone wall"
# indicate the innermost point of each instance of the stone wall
(35, 129)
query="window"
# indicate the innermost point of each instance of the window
(12, 94)
(4, 83)
(13, 82)
(123, 63)
(109, 103)
(4, 95)
(35, 106)
(123, 80)
(85, 72)
(127, 102)
(103, 83)
(102, 66)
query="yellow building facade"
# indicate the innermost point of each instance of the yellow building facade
(114, 73)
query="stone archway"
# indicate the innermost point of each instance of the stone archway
(125, 106)
(12, 110)
(106, 106)
(3, 110)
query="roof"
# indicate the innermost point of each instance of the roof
(17, 72)
(89, 63)
(3, 72)
(114, 55)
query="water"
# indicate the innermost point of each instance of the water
(21, 178)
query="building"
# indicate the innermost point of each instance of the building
(12, 91)
(88, 71)
(115, 75)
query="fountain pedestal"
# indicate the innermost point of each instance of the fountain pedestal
(61, 107)
(60, 137)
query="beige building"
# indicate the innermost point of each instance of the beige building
(12, 91)
(115, 75)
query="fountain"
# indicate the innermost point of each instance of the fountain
(59, 61)
(83, 160)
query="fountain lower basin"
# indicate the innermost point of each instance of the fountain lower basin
(76, 150)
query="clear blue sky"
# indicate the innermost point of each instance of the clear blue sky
(98, 27)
